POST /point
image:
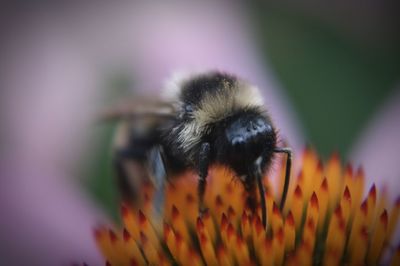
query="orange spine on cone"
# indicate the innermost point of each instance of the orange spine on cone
(378, 238)
(219, 206)
(380, 205)
(289, 232)
(309, 233)
(242, 253)
(371, 199)
(209, 226)
(313, 209)
(276, 219)
(349, 180)
(231, 239)
(258, 231)
(223, 256)
(318, 177)
(169, 239)
(182, 249)
(105, 243)
(336, 237)
(357, 255)
(359, 180)
(148, 230)
(131, 248)
(208, 250)
(130, 221)
(149, 250)
(304, 254)
(333, 172)
(297, 206)
(191, 209)
(358, 223)
(232, 217)
(179, 224)
(310, 163)
(323, 202)
(195, 259)
(279, 246)
(245, 225)
(266, 252)
(223, 228)
(393, 219)
(345, 203)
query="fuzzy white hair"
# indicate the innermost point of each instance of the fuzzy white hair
(213, 107)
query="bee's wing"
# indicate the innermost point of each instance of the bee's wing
(138, 107)
(137, 150)
(158, 176)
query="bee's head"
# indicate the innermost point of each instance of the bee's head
(247, 136)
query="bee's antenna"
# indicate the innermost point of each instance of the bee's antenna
(288, 152)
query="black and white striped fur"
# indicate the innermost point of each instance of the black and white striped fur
(215, 118)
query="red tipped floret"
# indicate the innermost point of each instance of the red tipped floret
(224, 221)
(349, 169)
(324, 184)
(275, 209)
(290, 219)
(124, 210)
(230, 231)
(142, 218)
(372, 192)
(126, 235)
(199, 225)
(314, 200)
(384, 218)
(338, 212)
(143, 238)
(364, 207)
(311, 224)
(280, 235)
(346, 194)
(175, 212)
(112, 235)
(297, 192)
(189, 198)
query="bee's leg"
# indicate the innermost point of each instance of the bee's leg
(255, 179)
(249, 186)
(261, 191)
(288, 152)
(204, 161)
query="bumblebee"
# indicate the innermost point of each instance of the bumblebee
(204, 119)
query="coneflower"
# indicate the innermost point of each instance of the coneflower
(326, 221)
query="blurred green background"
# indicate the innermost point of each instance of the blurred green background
(320, 62)
(320, 66)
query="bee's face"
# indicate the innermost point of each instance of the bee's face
(247, 137)
(244, 131)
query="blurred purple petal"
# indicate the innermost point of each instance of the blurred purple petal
(45, 220)
(378, 150)
(378, 147)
